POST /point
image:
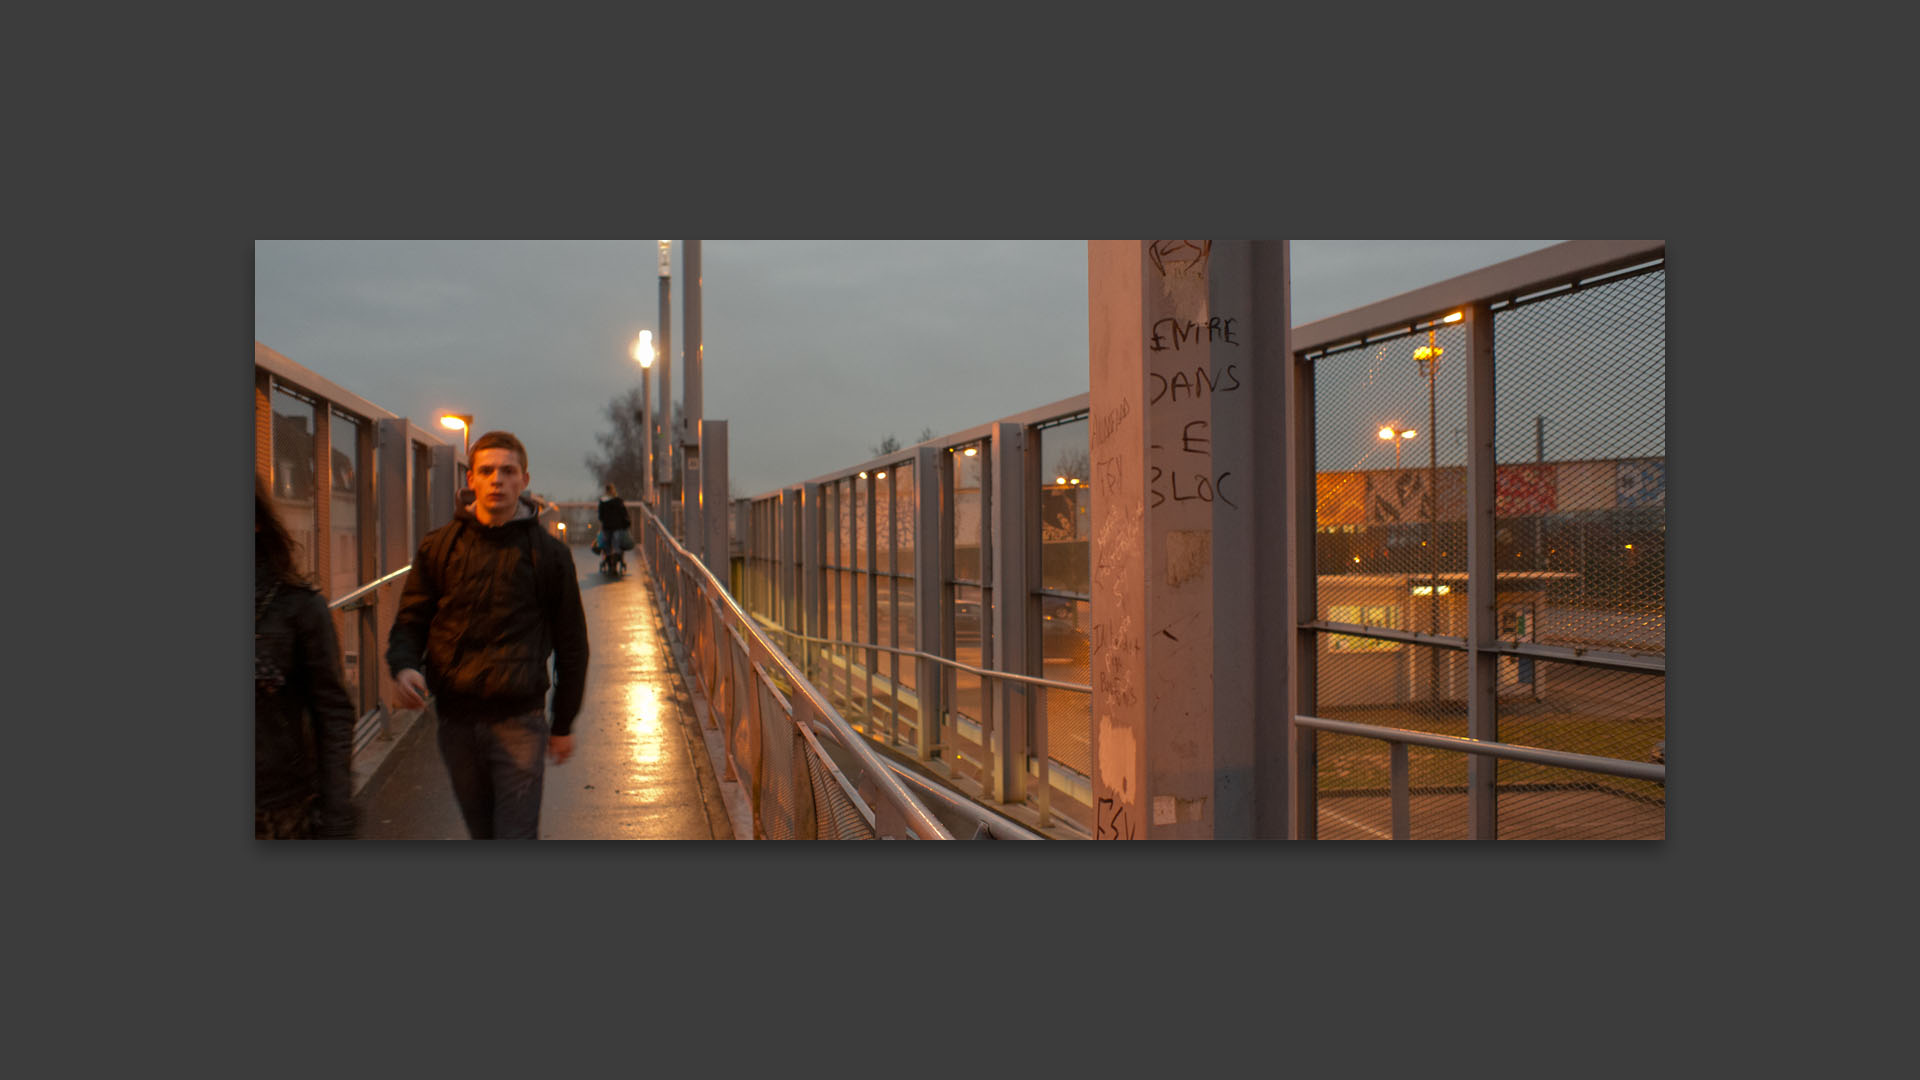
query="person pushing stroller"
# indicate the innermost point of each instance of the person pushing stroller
(616, 531)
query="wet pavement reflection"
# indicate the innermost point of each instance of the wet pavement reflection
(638, 770)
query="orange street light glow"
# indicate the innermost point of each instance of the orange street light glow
(643, 348)
(1455, 317)
(971, 450)
(453, 423)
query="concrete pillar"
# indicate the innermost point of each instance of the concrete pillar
(1182, 458)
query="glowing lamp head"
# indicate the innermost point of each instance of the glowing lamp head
(643, 348)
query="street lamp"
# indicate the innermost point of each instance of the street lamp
(1396, 436)
(464, 424)
(643, 352)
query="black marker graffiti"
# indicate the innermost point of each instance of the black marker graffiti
(1178, 335)
(1202, 381)
(1181, 255)
(1112, 821)
(1196, 486)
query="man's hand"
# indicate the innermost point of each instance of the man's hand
(560, 747)
(410, 689)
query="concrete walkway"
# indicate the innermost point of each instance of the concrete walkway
(641, 768)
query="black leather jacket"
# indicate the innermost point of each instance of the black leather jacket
(302, 716)
(483, 609)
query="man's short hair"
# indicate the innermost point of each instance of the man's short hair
(498, 440)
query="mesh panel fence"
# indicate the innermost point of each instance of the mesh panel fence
(1390, 483)
(1584, 710)
(1580, 435)
(1388, 688)
(778, 810)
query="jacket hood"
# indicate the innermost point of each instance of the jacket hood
(525, 511)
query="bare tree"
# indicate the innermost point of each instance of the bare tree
(620, 461)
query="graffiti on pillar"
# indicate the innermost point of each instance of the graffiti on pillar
(1180, 256)
(1175, 334)
(1203, 382)
(1113, 821)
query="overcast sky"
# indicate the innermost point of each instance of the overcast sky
(815, 350)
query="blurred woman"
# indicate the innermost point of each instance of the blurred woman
(302, 717)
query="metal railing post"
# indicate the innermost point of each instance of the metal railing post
(1397, 785)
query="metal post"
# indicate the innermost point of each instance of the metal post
(391, 473)
(443, 482)
(1482, 577)
(1302, 694)
(687, 435)
(714, 503)
(664, 471)
(812, 603)
(1397, 788)
(929, 585)
(1273, 582)
(1012, 596)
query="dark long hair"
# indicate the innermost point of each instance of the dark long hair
(273, 546)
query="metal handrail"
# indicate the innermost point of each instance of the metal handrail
(367, 588)
(1399, 785)
(918, 818)
(1032, 679)
(1001, 828)
(1637, 770)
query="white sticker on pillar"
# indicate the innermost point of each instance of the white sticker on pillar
(1163, 810)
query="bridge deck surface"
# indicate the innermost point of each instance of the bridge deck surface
(641, 768)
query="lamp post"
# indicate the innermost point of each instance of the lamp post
(464, 424)
(1396, 437)
(1428, 356)
(463, 494)
(643, 352)
(666, 358)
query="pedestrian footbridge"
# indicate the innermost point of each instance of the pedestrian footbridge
(1394, 574)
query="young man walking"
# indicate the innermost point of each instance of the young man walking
(490, 597)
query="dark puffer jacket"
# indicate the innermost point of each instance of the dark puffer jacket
(482, 610)
(302, 717)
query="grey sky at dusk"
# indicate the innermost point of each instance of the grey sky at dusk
(815, 350)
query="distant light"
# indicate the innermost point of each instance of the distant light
(1075, 480)
(1059, 479)
(863, 474)
(1428, 352)
(643, 348)
(880, 475)
(1408, 434)
(1455, 317)
(453, 423)
(1629, 547)
(1386, 433)
(971, 450)
(1356, 558)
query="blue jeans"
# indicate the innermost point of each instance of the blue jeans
(497, 769)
